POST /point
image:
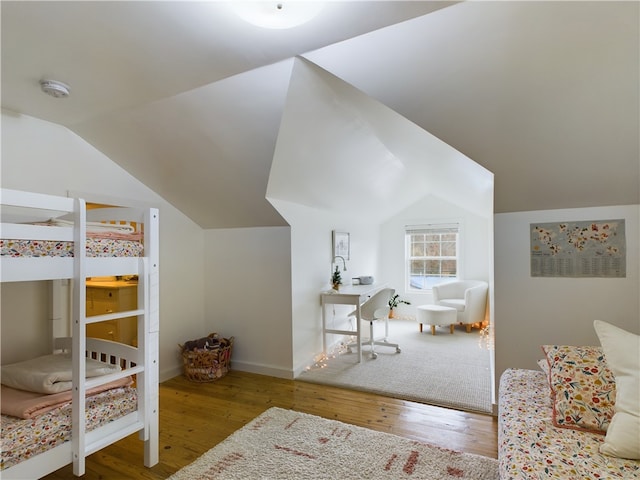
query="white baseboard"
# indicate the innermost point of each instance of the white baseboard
(240, 366)
(170, 373)
(262, 369)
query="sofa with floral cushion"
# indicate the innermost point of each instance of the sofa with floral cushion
(578, 417)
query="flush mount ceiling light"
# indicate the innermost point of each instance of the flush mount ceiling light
(54, 88)
(268, 14)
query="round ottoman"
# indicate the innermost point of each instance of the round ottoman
(436, 315)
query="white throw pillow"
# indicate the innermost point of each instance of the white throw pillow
(622, 354)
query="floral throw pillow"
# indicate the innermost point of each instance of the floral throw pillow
(583, 388)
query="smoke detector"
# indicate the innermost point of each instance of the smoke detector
(54, 88)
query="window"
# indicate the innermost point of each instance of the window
(431, 255)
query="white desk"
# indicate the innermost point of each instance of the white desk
(347, 295)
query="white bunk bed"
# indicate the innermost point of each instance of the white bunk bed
(141, 361)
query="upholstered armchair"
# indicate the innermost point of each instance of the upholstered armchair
(468, 297)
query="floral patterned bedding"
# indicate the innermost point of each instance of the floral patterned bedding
(531, 447)
(96, 247)
(23, 439)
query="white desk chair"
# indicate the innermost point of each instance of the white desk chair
(374, 309)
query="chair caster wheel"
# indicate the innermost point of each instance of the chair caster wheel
(374, 356)
(398, 350)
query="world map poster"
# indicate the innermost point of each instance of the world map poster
(579, 249)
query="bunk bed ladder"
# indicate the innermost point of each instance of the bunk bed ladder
(150, 325)
(148, 344)
(79, 340)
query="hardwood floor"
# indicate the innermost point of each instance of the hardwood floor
(196, 417)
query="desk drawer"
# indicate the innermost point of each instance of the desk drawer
(108, 330)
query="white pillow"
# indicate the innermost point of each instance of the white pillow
(622, 354)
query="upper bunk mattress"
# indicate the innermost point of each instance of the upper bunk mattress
(96, 247)
(102, 240)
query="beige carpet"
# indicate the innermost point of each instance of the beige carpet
(283, 444)
(443, 369)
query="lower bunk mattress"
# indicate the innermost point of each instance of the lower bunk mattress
(531, 447)
(25, 438)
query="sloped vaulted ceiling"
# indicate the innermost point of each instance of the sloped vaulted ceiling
(342, 151)
(188, 97)
(543, 94)
(208, 151)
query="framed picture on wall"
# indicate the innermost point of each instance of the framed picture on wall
(341, 244)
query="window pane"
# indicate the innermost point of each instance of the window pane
(449, 268)
(433, 249)
(417, 267)
(418, 282)
(417, 249)
(432, 267)
(432, 256)
(449, 249)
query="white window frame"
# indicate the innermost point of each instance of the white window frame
(431, 228)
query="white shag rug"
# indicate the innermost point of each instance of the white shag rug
(447, 370)
(283, 444)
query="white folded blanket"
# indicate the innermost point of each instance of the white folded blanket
(49, 373)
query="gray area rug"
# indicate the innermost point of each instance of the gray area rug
(443, 369)
(283, 444)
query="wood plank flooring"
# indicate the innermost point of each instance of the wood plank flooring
(195, 417)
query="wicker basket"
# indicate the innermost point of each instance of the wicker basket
(203, 365)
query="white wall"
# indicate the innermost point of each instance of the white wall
(247, 295)
(311, 267)
(475, 236)
(31, 331)
(530, 312)
(42, 157)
